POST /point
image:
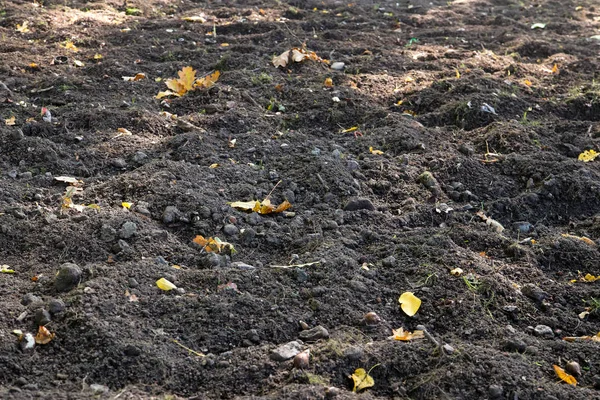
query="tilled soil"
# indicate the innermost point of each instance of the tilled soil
(473, 111)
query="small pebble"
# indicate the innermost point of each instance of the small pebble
(171, 215)
(128, 229)
(42, 317)
(301, 360)
(230, 230)
(314, 334)
(286, 351)
(543, 331)
(69, 276)
(56, 306)
(573, 368)
(338, 66)
(359, 204)
(495, 391)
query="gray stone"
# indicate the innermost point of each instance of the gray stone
(286, 351)
(121, 246)
(359, 204)
(171, 215)
(139, 157)
(56, 306)
(108, 233)
(99, 389)
(68, 277)
(254, 219)
(314, 334)
(248, 235)
(242, 265)
(132, 282)
(128, 229)
(118, 163)
(534, 292)
(132, 351)
(42, 317)
(515, 345)
(26, 175)
(338, 66)
(230, 230)
(389, 261)
(352, 165)
(543, 331)
(466, 149)
(30, 298)
(495, 391)
(354, 353)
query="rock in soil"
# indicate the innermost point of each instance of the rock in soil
(314, 334)
(68, 277)
(286, 351)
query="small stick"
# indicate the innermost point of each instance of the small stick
(188, 349)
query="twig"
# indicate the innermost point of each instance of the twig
(188, 349)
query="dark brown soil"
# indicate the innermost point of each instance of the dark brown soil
(464, 89)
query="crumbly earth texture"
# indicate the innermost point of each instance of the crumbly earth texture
(460, 107)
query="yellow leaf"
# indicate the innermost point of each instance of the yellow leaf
(78, 63)
(176, 266)
(213, 245)
(253, 205)
(175, 86)
(362, 380)
(69, 45)
(590, 278)
(282, 59)
(328, 83)
(165, 285)
(405, 336)
(187, 77)
(408, 79)
(588, 155)
(527, 82)
(224, 44)
(98, 56)
(94, 206)
(11, 121)
(166, 93)
(213, 166)
(207, 81)
(126, 205)
(584, 239)
(457, 271)
(6, 269)
(283, 206)
(570, 379)
(409, 303)
(457, 73)
(33, 65)
(124, 132)
(23, 28)
(555, 69)
(137, 77)
(376, 152)
(354, 128)
(195, 18)
(43, 336)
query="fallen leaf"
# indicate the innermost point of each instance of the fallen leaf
(33, 65)
(584, 239)
(362, 380)
(126, 205)
(231, 143)
(6, 269)
(590, 278)
(409, 303)
(230, 286)
(195, 18)
(405, 336)
(132, 297)
(527, 82)
(457, 271)
(296, 55)
(354, 128)
(538, 25)
(10, 121)
(69, 45)
(43, 336)
(23, 28)
(595, 338)
(376, 152)
(328, 83)
(166, 93)
(165, 285)
(67, 179)
(98, 56)
(457, 73)
(264, 207)
(555, 69)
(213, 166)
(588, 155)
(570, 379)
(584, 314)
(214, 245)
(78, 63)
(137, 77)
(224, 44)
(207, 81)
